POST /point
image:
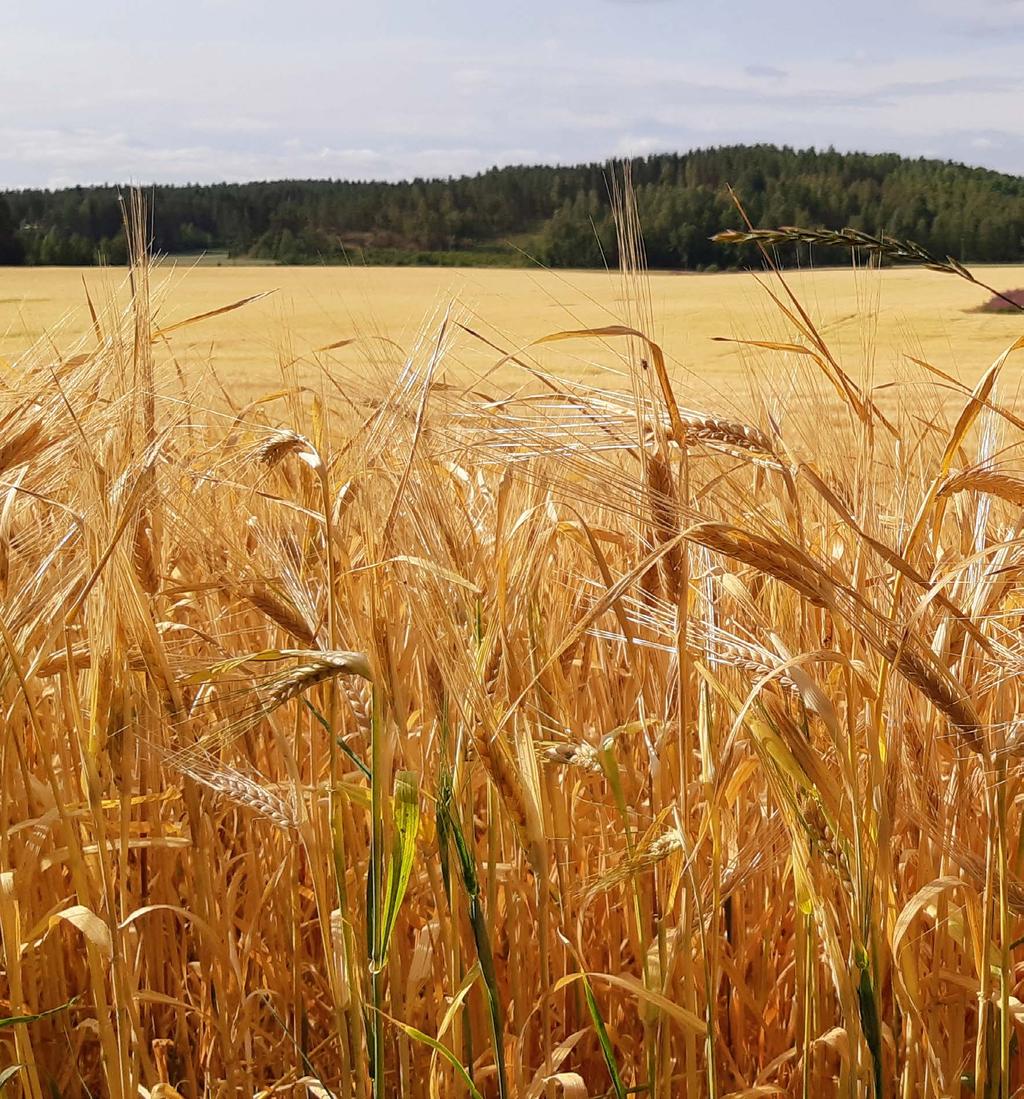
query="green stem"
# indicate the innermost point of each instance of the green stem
(374, 922)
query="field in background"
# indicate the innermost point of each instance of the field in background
(872, 320)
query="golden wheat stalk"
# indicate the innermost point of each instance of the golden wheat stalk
(583, 756)
(246, 792)
(776, 557)
(989, 481)
(282, 612)
(650, 853)
(279, 445)
(315, 667)
(664, 504)
(944, 692)
(733, 437)
(898, 249)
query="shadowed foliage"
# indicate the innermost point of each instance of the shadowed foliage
(560, 215)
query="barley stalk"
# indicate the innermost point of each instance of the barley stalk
(888, 247)
(248, 793)
(773, 556)
(316, 667)
(793, 862)
(741, 440)
(267, 602)
(990, 481)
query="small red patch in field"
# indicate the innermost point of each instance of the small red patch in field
(997, 304)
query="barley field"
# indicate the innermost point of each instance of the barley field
(529, 698)
(873, 320)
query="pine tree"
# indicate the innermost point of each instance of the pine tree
(12, 251)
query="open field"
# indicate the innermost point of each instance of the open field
(871, 320)
(518, 740)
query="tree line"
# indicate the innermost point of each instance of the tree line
(559, 216)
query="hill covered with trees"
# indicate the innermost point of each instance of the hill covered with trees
(560, 216)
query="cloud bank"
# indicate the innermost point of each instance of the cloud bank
(221, 90)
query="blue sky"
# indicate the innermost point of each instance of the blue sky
(207, 90)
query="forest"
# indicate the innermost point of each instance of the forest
(557, 216)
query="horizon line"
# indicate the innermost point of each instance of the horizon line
(607, 162)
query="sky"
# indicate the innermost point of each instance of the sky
(210, 90)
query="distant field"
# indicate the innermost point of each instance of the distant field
(872, 320)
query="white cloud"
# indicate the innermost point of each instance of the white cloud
(338, 91)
